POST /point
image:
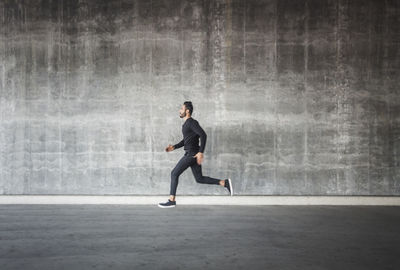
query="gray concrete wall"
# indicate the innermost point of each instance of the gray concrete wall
(297, 97)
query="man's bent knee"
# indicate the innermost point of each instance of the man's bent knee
(174, 174)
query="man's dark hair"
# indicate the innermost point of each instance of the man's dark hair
(188, 106)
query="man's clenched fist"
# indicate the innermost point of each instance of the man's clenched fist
(199, 156)
(169, 148)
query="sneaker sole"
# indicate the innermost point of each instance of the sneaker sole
(162, 206)
(230, 184)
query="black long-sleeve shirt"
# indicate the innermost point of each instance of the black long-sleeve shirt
(192, 132)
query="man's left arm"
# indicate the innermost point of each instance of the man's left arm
(203, 136)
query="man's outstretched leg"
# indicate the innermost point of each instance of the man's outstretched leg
(198, 175)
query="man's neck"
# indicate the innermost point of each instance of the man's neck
(187, 117)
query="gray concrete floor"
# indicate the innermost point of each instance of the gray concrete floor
(199, 237)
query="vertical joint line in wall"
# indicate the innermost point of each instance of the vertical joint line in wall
(152, 41)
(228, 42)
(370, 27)
(26, 179)
(275, 78)
(121, 99)
(3, 73)
(306, 21)
(48, 89)
(244, 40)
(276, 41)
(369, 78)
(337, 27)
(151, 88)
(60, 19)
(387, 97)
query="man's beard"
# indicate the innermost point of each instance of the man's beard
(181, 116)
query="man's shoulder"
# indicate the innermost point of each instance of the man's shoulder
(191, 119)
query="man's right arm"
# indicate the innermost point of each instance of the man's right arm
(179, 145)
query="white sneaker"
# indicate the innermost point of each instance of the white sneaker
(229, 186)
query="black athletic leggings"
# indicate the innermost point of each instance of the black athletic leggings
(189, 160)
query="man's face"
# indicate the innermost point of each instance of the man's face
(182, 111)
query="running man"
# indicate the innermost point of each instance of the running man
(193, 156)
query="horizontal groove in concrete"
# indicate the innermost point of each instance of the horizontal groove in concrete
(201, 200)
